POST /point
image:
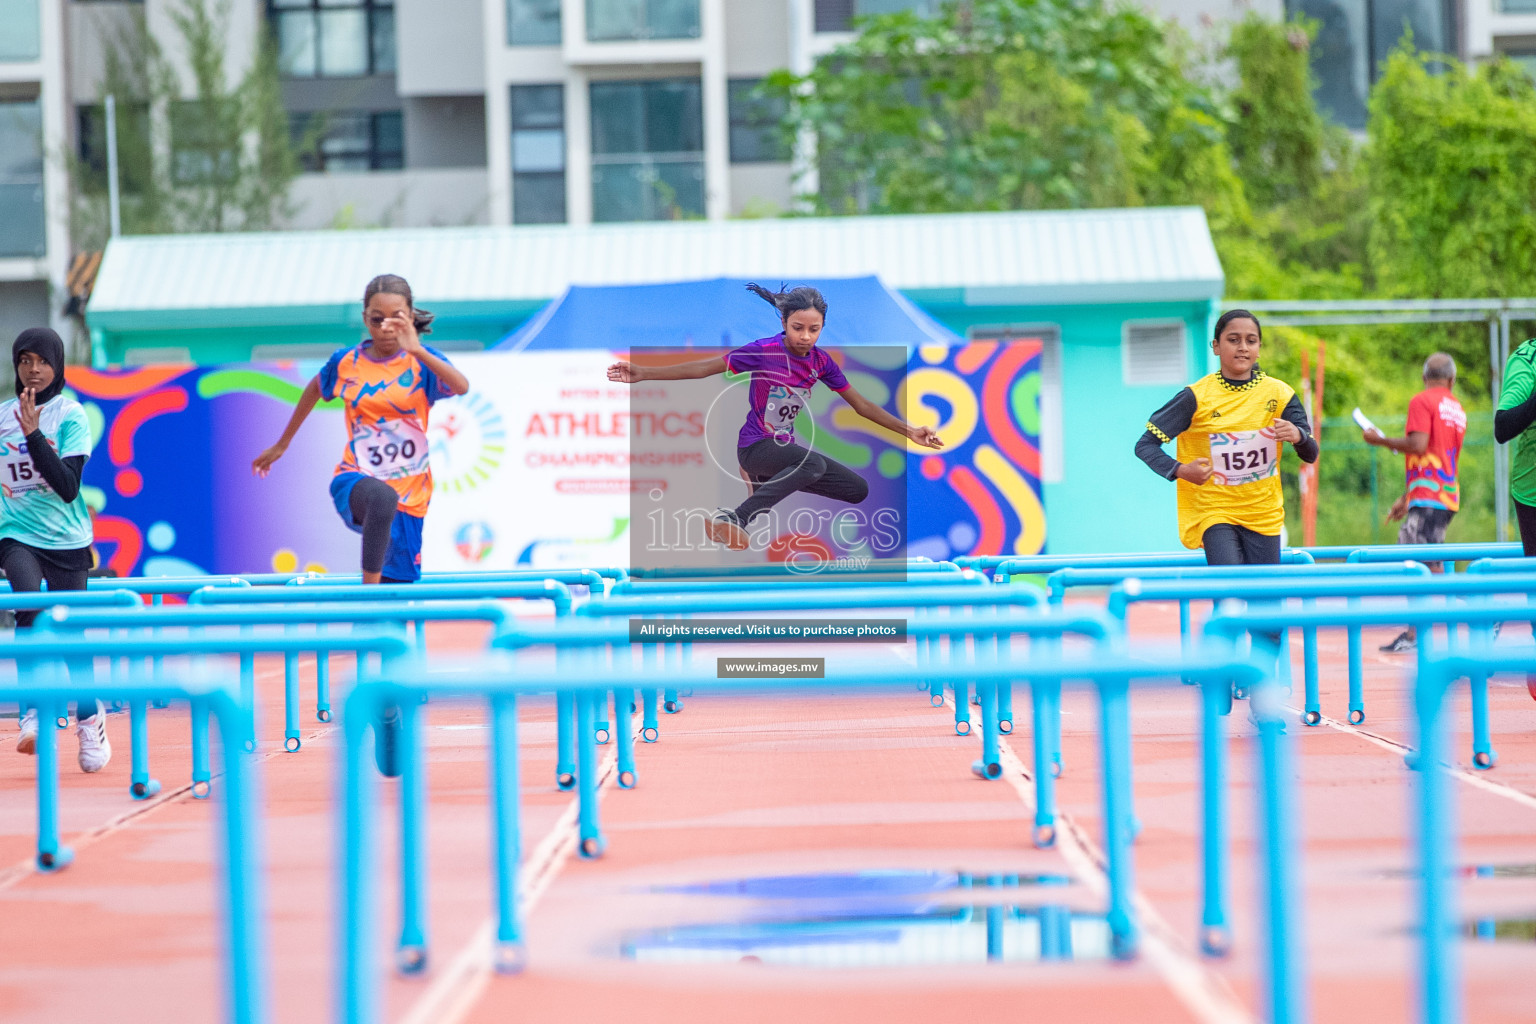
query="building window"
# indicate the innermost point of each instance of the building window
(1524, 61)
(756, 137)
(21, 36)
(647, 150)
(133, 131)
(1049, 337)
(1154, 352)
(351, 140)
(334, 38)
(200, 153)
(22, 220)
(1355, 37)
(838, 15)
(533, 22)
(618, 20)
(538, 154)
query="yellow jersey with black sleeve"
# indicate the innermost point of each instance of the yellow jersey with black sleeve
(1231, 423)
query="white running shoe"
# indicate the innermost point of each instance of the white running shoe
(95, 748)
(26, 743)
(724, 529)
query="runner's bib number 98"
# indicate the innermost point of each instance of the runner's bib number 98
(390, 450)
(781, 408)
(1244, 456)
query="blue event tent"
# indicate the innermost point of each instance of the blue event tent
(720, 312)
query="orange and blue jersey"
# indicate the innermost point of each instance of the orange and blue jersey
(387, 403)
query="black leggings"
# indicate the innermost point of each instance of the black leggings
(373, 505)
(1230, 544)
(26, 573)
(779, 470)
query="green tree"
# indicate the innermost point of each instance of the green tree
(216, 157)
(1452, 196)
(1012, 104)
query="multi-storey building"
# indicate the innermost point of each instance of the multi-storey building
(448, 112)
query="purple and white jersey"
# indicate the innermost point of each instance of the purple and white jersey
(781, 385)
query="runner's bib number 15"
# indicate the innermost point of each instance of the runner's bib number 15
(390, 450)
(1244, 456)
(17, 473)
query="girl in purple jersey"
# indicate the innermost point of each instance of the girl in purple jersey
(784, 368)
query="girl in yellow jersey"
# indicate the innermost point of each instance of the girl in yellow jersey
(1230, 426)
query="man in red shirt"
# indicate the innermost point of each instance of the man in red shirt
(1432, 444)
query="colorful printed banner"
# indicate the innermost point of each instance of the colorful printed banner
(532, 467)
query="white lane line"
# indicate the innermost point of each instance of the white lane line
(1474, 779)
(456, 990)
(28, 868)
(1203, 991)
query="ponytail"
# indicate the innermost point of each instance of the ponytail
(791, 301)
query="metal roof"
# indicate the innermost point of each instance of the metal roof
(1023, 258)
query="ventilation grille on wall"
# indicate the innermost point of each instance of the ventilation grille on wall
(1154, 354)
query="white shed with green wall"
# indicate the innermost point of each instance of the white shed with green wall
(1123, 298)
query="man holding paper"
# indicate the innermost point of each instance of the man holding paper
(1437, 425)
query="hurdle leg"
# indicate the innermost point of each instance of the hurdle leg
(1053, 725)
(650, 727)
(1281, 905)
(565, 742)
(323, 686)
(1440, 966)
(248, 696)
(140, 785)
(1215, 936)
(411, 953)
(1114, 729)
(994, 933)
(1483, 754)
(962, 690)
(291, 737)
(1312, 712)
(1045, 780)
(202, 777)
(51, 854)
(511, 955)
(1356, 673)
(358, 988)
(591, 843)
(241, 842)
(927, 648)
(624, 735)
(1184, 638)
(990, 766)
(603, 730)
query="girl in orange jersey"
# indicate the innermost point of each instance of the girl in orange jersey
(388, 385)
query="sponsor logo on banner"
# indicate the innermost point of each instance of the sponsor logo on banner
(474, 541)
(468, 441)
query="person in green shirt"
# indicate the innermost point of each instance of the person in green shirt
(1514, 422)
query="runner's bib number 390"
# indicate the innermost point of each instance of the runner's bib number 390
(781, 408)
(389, 450)
(1244, 456)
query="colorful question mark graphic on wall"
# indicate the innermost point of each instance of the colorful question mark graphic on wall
(128, 480)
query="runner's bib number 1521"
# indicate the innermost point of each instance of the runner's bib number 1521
(1244, 456)
(389, 450)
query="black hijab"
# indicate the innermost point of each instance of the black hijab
(44, 342)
